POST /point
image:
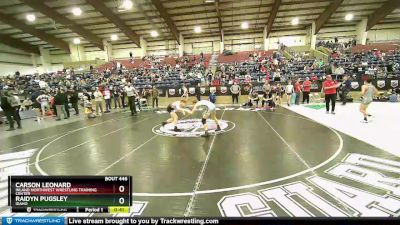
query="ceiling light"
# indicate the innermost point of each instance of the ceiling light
(77, 11)
(349, 16)
(114, 37)
(295, 21)
(77, 41)
(31, 17)
(245, 25)
(197, 29)
(209, 1)
(154, 33)
(127, 4)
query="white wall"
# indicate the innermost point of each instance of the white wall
(122, 51)
(12, 60)
(288, 41)
(162, 48)
(10, 69)
(207, 45)
(244, 42)
(385, 35)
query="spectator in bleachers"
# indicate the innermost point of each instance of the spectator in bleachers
(339, 70)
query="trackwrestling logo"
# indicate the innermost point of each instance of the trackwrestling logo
(192, 128)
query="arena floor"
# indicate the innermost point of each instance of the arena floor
(262, 164)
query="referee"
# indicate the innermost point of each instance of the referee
(235, 90)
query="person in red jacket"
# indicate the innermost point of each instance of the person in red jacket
(329, 86)
(297, 90)
(306, 90)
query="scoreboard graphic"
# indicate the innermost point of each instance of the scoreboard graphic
(64, 194)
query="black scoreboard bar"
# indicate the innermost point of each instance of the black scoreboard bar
(96, 194)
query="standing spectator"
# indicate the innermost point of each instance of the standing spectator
(345, 88)
(198, 92)
(59, 102)
(43, 100)
(289, 91)
(73, 99)
(107, 99)
(116, 97)
(131, 93)
(235, 90)
(9, 111)
(98, 99)
(66, 104)
(16, 105)
(123, 96)
(213, 97)
(279, 94)
(297, 90)
(306, 90)
(329, 86)
(155, 93)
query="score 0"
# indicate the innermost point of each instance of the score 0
(121, 189)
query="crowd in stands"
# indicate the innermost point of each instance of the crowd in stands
(118, 82)
(337, 46)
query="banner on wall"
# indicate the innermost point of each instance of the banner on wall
(203, 90)
(394, 83)
(173, 92)
(355, 85)
(380, 84)
(223, 90)
(213, 89)
(386, 84)
(192, 91)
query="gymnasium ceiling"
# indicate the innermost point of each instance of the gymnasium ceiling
(55, 25)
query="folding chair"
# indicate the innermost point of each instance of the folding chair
(316, 97)
(144, 104)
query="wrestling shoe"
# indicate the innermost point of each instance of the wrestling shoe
(177, 130)
(218, 128)
(163, 124)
